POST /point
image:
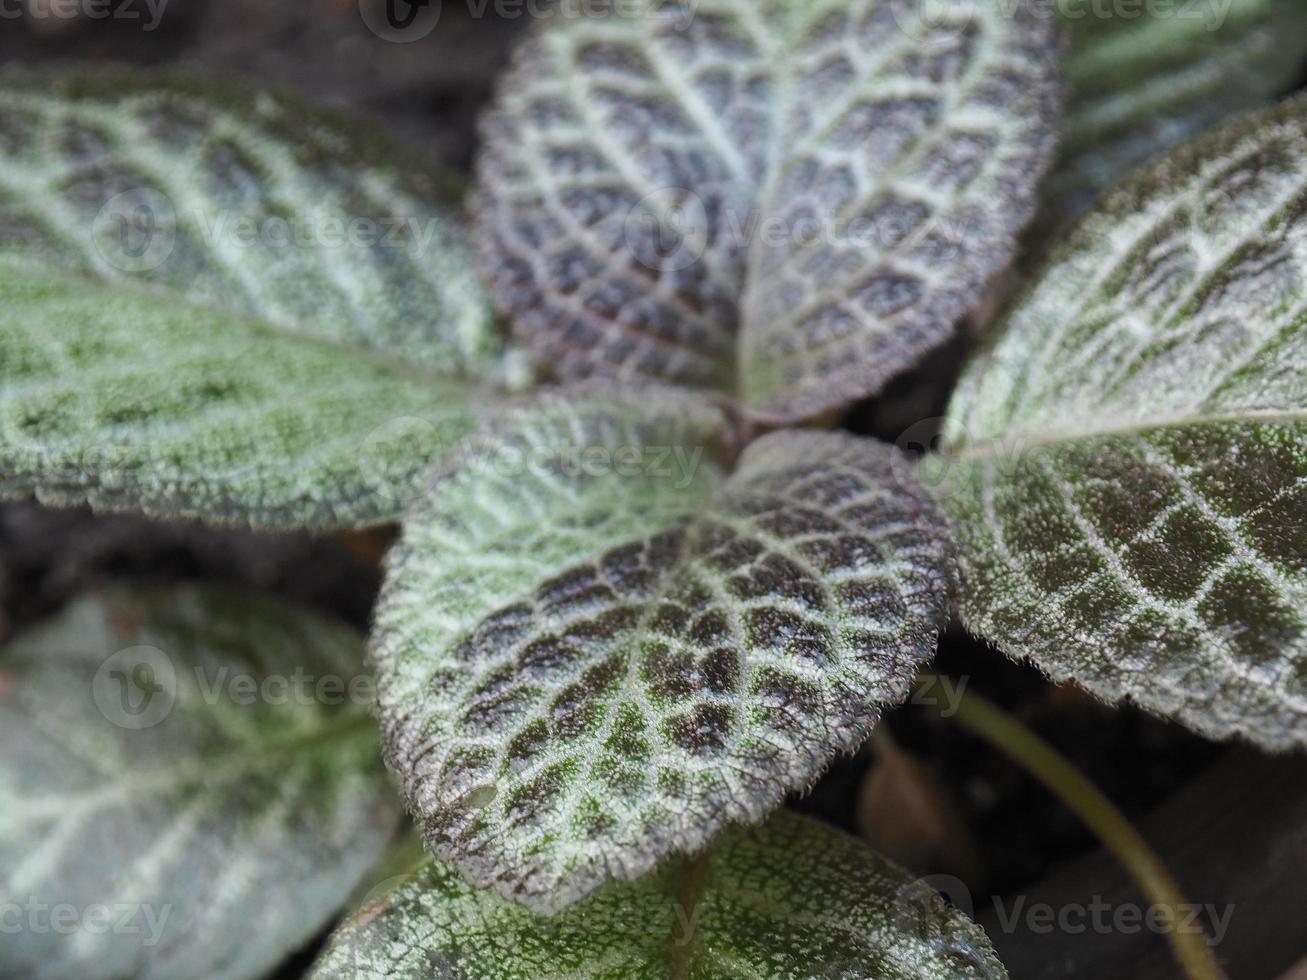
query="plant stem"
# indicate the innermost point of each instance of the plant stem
(1084, 799)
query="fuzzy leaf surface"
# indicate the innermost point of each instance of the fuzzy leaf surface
(131, 401)
(222, 305)
(243, 200)
(787, 201)
(221, 829)
(584, 667)
(791, 900)
(1129, 479)
(1141, 83)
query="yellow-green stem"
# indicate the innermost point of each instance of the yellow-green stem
(1084, 799)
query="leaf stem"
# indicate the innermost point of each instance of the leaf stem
(1086, 801)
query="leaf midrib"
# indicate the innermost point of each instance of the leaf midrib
(1021, 440)
(133, 287)
(239, 754)
(778, 154)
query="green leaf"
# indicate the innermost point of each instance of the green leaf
(1141, 82)
(132, 401)
(789, 901)
(595, 648)
(223, 305)
(787, 201)
(244, 200)
(1129, 477)
(200, 764)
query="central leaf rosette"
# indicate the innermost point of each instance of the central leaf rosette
(600, 643)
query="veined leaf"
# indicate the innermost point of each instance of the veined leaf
(223, 305)
(242, 200)
(190, 786)
(789, 201)
(1130, 459)
(596, 648)
(1141, 82)
(132, 401)
(789, 901)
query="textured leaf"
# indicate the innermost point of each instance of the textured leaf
(790, 201)
(286, 329)
(244, 200)
(179, 759)
(790, 901)
(128, 400)
(1141, 82)
(584, 668)
(1130, 468)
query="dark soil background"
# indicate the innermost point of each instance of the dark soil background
(1231, 823)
